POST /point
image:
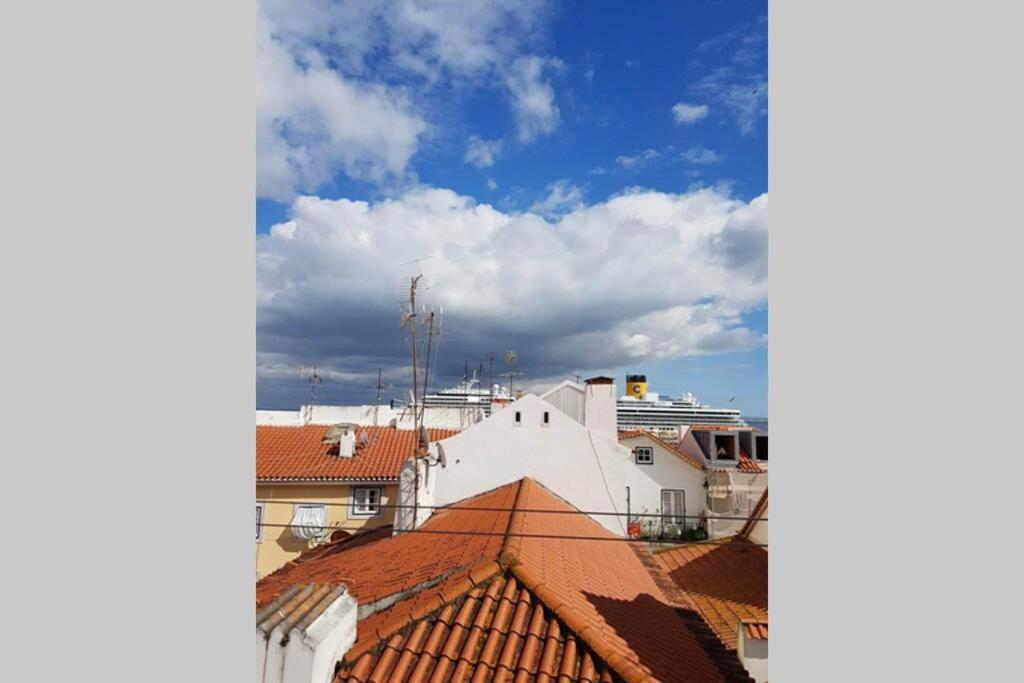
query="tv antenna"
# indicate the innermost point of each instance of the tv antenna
(315, 380)
(511, 358)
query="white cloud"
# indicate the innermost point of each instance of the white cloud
(701, 155)
(639, 160)
(689, 113)
(642, 276)
(532, 97)
(562, 197)
(745, 97)
(311, 122)
(327, 99)
(483, 153)
(492, 184)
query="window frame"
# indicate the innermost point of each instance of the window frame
(636, 455)
(353, 507)
(261, 520)
(672, 518)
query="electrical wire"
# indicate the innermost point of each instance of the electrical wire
(563, 537)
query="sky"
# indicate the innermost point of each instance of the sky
(584, 183)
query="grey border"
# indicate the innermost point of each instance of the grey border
(894, 152)
(128, 270)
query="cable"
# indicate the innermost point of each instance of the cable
(467, 508)
(518, 535)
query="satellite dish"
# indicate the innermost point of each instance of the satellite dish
(441, 458)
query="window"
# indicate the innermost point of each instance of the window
(366, 501)
(547, 418)
(673, 506)
(644, 455)
(519, 417)
(308, 521)
(259, 522)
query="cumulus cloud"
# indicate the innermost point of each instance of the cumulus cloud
(347, 86)
(492, 184)
(642, 276)
(311, 122)
(533, 97)
(689, 113)
(483, 153)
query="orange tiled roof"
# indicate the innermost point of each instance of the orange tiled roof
(299, 454)
(726, 582)
(389, 566)
(623, 436)
(755, 630)
(510, 604)
(498, 629)
(748, 464)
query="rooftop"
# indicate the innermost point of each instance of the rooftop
(299, 454)
(726, 582)
(551, 592)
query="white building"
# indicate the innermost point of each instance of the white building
(400, 417)
(568, 442)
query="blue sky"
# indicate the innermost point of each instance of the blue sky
(588, 184)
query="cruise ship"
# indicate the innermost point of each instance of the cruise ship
(641, 409)
(468, 394)
(638, 409)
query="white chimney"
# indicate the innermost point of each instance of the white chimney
(347, 445)
(303, 633)
(599, 406)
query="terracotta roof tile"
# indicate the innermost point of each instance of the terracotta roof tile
(726, 582)
(510, 608)
(754, 629)
(748, 464)
(390, 566)
(299, 454)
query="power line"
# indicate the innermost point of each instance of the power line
(399, 506)
(510, 534)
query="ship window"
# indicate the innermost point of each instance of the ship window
(644, 455)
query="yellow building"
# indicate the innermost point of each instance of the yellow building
(314, 478)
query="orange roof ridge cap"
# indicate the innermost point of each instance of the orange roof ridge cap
(516, 516)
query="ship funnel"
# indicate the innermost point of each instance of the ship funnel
(636, 386)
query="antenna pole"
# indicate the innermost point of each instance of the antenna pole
(410, 319)
(426, 372)
(376, 405)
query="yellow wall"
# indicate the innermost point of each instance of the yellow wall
(278, 546)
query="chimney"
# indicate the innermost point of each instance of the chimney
(344, 435)
(599, 406)
(303, 633)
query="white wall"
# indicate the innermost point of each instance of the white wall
(588, 469)
(567, 397)
(671, 472)
(446, 418)
(753, 654)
